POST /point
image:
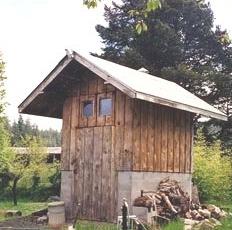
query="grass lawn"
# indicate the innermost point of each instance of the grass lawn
(25, 206)
(91, 225)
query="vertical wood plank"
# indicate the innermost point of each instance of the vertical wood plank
(120, 108)
(170, 141)
(188, 142)
(119, 122)
(80, 169)
(127, 157)
(84, 88)
(182, 142)
(151, 138)
(113, 189)
(136, 135)
(66, 127)
(176, 144)
(93, 85)
(88, 174)
(83, 121)
(97, 168)
(106, 174)
(158, 130)
(74, 121)
(155, 133)
(101, 86)
(164, 137)
(144, 136)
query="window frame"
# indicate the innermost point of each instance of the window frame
(105, 119)
(83, 108)
(85, 121)
(101, 105)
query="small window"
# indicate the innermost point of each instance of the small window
(88, 108)
(105, 107)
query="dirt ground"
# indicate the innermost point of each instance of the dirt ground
(22, 223)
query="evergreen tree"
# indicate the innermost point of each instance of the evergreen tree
(180, 45)
(21, 129)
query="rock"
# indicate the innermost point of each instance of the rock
(205, 213)
(215, 213)
(215, 222)
(223, 214)
(42, 220)
(11, 213)
(211, 207)
(204, 225)
(188, 227)
(190, 222)
(193, 213)
(188, 215)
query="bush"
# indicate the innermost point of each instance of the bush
(212, 171)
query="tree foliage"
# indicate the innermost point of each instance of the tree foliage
(4, 135)
(31, 163)
(141, 13)
(2, 80)
(22, 128)
(181, 45)
(212, 171)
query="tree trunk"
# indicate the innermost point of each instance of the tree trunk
(14, 190)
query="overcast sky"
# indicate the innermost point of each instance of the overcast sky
(34, 34)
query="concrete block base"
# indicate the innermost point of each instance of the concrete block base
(130, 185)
(66, 194)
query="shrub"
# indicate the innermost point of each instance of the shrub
(212, 171)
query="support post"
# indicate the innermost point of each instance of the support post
(124, 215)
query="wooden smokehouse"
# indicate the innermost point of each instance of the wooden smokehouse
(123, 131)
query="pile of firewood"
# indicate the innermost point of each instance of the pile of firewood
(170, 201)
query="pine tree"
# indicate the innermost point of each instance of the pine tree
(181, 45)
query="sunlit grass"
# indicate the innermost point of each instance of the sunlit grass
(25, 206)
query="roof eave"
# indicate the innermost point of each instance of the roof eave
(181, 106)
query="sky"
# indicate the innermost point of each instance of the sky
(35, 33)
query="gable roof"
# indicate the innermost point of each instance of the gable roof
(135, 84)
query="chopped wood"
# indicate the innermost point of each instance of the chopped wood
(170, 201)
(166, 199)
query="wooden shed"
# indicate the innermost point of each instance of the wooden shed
(123, 131)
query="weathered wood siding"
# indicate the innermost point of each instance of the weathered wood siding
(139, 136)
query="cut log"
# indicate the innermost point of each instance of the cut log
(11, 213)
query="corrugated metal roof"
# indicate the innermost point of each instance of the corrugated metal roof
(134, 83)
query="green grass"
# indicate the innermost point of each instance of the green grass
(25, 206)
(92, 225)
(174, 225)
(226, 224)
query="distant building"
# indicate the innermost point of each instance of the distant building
(52, 152)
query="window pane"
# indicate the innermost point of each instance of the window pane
(105, 106)
(88, 108)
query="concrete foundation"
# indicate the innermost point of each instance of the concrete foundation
(66, 193)
(130, 185)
